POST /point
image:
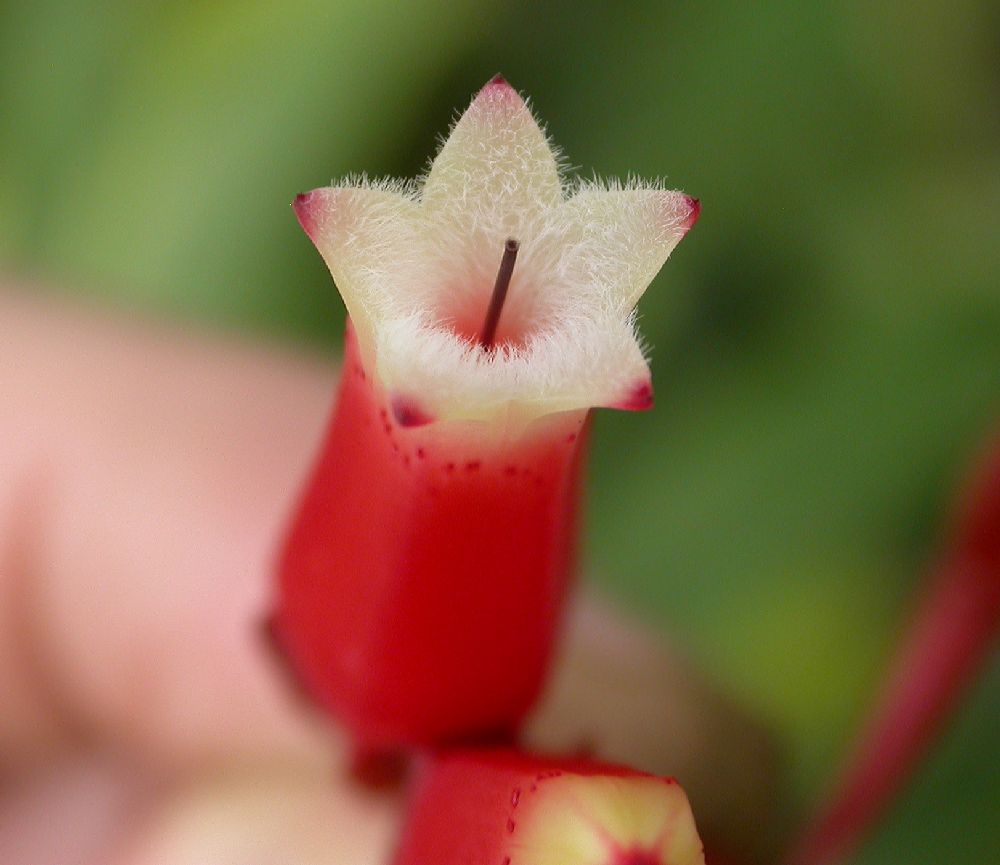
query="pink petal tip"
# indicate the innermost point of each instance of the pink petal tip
(304, 206)
(497, 87)
(639, 398)
(695, 211)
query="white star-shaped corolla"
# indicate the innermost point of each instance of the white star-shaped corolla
(417, 265)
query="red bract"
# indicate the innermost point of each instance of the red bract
(977, 530)
(505, 808)
(953, 629)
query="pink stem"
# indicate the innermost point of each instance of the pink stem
(945, 646)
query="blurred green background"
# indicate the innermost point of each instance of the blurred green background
(826, 342)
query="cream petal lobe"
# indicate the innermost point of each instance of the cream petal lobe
(370, 238)
(625, 235)
(496, 171)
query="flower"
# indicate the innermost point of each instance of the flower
(416, 264)
(422, 583)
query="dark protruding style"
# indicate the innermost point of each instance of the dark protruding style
(489, 332)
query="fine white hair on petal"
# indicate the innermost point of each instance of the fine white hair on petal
(496, 173)
(369, 236)
(629, 230)
(585, 363)
(416, 261)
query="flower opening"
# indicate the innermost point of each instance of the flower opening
(417, 265)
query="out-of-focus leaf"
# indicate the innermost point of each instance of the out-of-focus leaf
(198, 122)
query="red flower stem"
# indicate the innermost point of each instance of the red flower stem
(940, 655)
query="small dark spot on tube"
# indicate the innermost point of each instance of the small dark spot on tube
(408, 414)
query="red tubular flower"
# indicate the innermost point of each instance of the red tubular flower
(506, 808)
(491, 307)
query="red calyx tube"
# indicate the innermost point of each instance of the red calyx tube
(422, 582)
